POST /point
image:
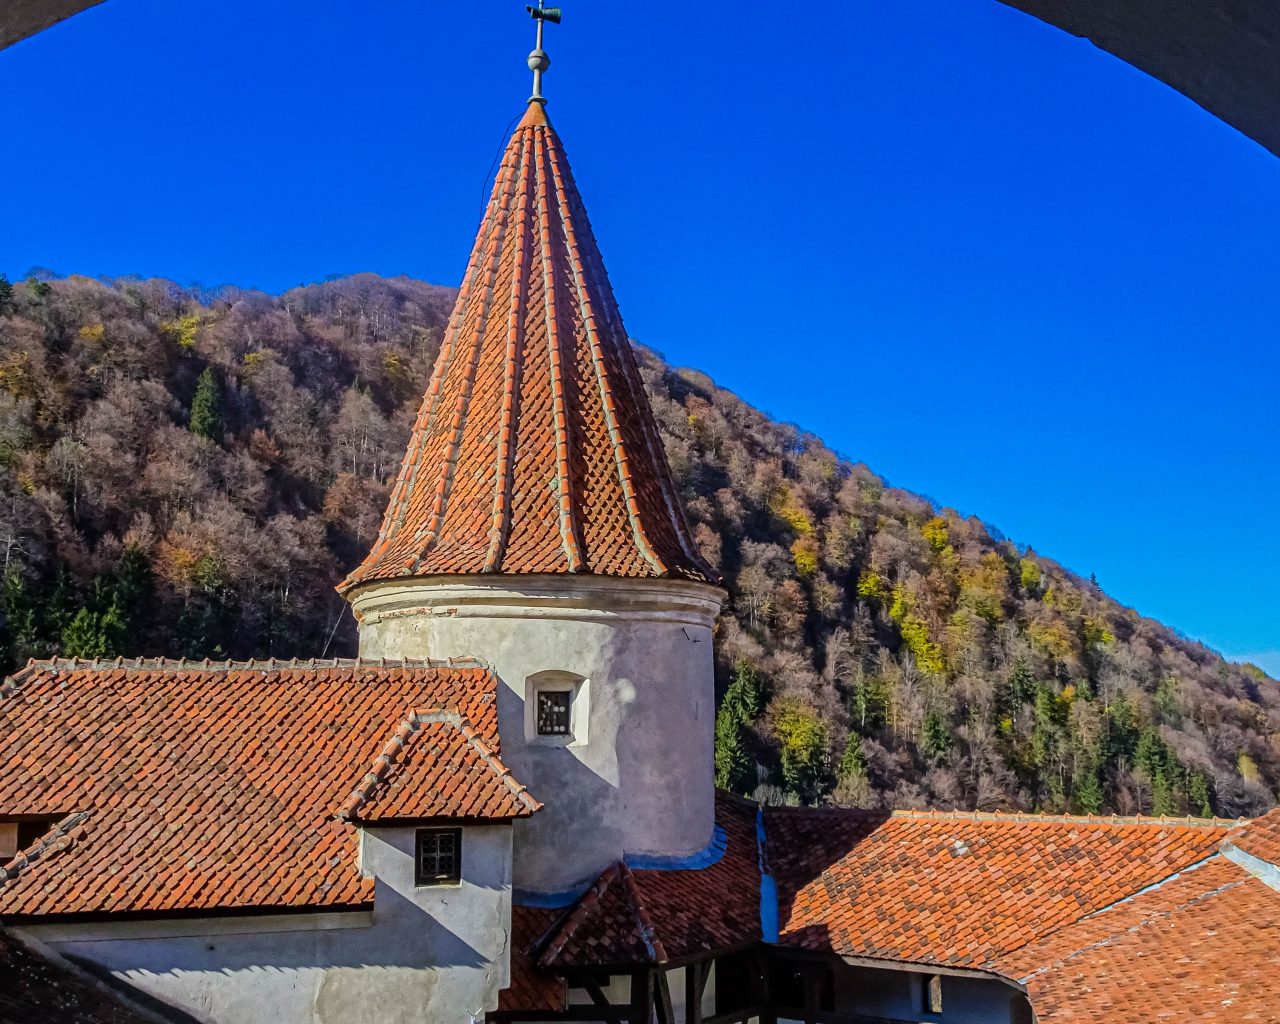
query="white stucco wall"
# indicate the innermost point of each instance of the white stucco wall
(642, 781)
(424, 954)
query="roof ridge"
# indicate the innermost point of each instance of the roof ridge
(47, 843)
(561, 934)
(1143, 922)
(388, 759)
(162, 664)
(648, 933)
(1029, 817)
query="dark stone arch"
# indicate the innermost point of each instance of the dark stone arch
(1223, 54)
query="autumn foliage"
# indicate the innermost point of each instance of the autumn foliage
(189, 473)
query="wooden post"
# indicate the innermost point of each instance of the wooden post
(641, 997)
(695, 978)
(765, 1000)
(666, 1015)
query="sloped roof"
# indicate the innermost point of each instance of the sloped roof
(182, 786)
(1203, 945)
(436, 765)
(35, 988)
(634, 916)
(1260, 838)
(961, 890)
(532, 988)
(535, 449)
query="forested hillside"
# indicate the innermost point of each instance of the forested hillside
(188, 474)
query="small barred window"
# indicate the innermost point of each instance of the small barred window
(439, 856)
(553, 712)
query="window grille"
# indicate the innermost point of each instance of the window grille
(439, 856)
(553, 712)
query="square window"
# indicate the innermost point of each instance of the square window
(438, 857)
(553, 712)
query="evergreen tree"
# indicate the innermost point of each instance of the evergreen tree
(1199, 796)
(6, 294)
(732, 762)
(206, 415)
(869, 704)
(936, 741)
(1122, 731)
(744, 695)
(741, 705)
(93, 634)
(806, 754)
(853, 782)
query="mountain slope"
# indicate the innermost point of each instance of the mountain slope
(189, 474)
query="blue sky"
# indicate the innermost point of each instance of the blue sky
(997, 265)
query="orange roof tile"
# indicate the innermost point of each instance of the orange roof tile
(959, 889)
(535, 449)
(532, 988)
(634, 916)
(210, 787)
(436, 765)
(1260, 838)
(1204, 945)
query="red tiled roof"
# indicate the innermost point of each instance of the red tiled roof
(532, 989)
(960, 889)
(638, 916)
(34, 988)
(1260, 838)
(535, 449)
(437, 766)
(1203, 946)
(211, 787)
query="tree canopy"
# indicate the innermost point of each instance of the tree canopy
(189, 472)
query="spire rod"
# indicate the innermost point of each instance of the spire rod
(538, 59)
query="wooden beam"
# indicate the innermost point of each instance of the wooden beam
(592, 1014)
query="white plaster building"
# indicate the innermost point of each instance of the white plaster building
(334, 842)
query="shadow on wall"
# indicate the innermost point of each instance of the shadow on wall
(576, 793)
(404, 936)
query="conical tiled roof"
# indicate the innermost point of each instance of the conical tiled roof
(535, 450)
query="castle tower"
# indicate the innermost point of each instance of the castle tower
(534, 525)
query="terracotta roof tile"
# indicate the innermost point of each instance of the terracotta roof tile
(535, 449)
(633, 916)
(1203, 945)
(437, 765)
(1260, 838)
(212, 787)
(34, 988)
(960, 889)
(532, 988)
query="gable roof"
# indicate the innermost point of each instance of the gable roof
(961, 890)
(634, 915)
(535, 449)
(437, 766)
(181, 787)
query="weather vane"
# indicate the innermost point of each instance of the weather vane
(538, 59)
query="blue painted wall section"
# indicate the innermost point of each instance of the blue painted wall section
(704, 858)
(768, 888)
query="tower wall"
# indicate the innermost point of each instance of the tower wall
(635, 776)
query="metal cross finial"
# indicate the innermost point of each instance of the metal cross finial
(538, 59)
